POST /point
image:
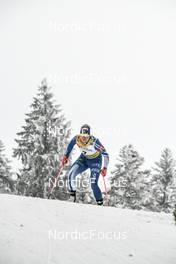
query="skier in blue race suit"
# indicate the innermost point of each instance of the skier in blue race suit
(91, 158)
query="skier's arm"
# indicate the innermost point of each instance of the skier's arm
(70, 147)
(99, 147)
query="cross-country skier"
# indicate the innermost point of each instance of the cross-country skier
(91, 158)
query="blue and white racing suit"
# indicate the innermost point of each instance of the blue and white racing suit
(90, 158)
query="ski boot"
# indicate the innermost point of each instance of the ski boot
(100, 202)
(72, 197)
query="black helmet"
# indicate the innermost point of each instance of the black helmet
(85, 130)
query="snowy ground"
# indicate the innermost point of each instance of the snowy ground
(37, 231)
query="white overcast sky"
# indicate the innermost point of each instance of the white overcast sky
(111, 64)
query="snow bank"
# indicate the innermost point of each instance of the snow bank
(38, 231)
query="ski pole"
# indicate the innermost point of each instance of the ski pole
(56, 179)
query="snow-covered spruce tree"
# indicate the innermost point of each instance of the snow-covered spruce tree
(127, 179)
(146, 195)
(40, 146)
(6, 182)
(164, 181)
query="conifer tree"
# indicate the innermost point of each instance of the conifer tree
(41, 144)
(6, 182)
(164, 181)
(126, 180)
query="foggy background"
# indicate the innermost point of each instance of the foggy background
(110, 64)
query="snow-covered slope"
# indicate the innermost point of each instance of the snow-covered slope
(38, 231)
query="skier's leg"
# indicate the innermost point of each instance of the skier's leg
(95, 167)
(94, 185)
(77, 168)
